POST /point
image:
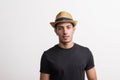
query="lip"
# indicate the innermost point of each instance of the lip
(65, 36)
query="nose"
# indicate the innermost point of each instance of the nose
(65, 31)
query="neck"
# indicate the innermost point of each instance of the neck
(66, 45)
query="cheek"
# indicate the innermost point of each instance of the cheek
(71, 32)
(59, 33)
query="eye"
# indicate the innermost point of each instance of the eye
(69, 27)
(59, 28)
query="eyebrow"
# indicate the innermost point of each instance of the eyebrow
(60, 26)
(65, 26)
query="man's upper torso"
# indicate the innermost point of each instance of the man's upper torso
(67, 64)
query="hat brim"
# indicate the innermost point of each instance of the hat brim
(74, 22)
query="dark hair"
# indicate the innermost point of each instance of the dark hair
(62, 22)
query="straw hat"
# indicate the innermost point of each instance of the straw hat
(63, 16)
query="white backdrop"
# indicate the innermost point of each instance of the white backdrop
(25, 33)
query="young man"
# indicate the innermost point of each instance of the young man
(66, 60)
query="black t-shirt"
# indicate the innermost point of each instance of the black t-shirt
(67, 64)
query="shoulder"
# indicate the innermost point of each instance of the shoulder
(82, 48)
(50, 50)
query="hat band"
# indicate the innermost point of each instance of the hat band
(61, 19)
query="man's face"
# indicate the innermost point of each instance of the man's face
(65, 32)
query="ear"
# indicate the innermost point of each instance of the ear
(55, 30)
(74, 28)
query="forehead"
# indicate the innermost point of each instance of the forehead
(64, 24)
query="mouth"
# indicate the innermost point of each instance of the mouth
(65, 37)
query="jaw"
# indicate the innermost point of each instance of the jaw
(66, 44)
(63, 41)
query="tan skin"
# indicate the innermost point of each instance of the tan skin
(65, 33)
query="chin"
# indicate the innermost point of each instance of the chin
(65, 42)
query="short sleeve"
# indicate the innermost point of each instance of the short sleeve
(90, 60)
(44, 65)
